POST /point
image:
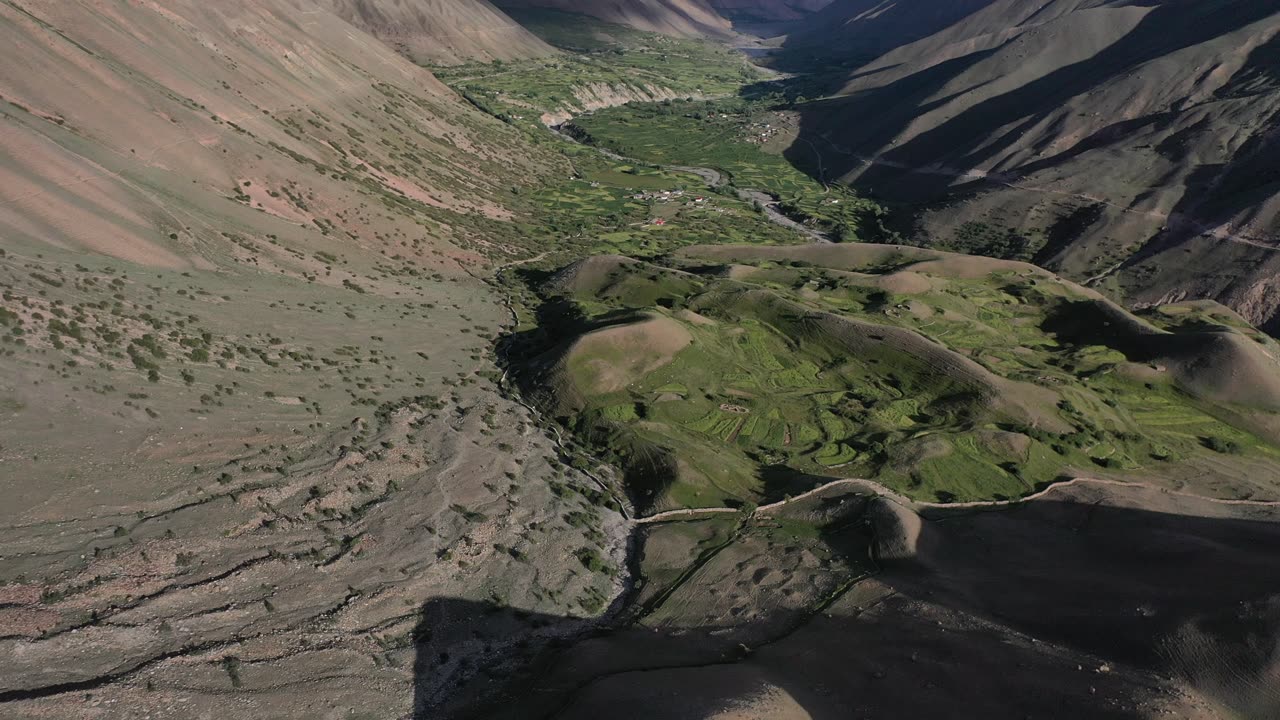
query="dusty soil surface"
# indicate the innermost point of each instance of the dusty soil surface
(251, 428)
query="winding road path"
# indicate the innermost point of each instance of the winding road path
(915, 505)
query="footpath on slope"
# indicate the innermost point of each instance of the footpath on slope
(876, 488)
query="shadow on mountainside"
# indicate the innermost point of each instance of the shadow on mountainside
(865, 123)
(1065, 608)
(881, 114)
(1217, 194)
(854, 32)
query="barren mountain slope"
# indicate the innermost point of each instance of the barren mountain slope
(248, 419)
(767, 10)
(1126, 142)
(126, 123)
(683, 18)
(442, 31)
(852, 29)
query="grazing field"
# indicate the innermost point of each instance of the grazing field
(659, 102)
(947, 378)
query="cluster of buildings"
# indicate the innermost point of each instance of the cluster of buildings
(761, 133)
(666, 196)
(659, 195)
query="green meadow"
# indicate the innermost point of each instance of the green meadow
(795, 373)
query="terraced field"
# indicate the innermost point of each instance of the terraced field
(724, 376)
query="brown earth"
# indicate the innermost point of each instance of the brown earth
(161, 115)
(610, 359)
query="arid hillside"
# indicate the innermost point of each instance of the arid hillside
(1129, 144)
(683, 18)
(248, 403)
(137, 130)
(442, 31)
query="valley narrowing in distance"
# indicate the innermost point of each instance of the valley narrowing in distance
(573, 375)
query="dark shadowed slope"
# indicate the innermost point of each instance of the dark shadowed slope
(855, 31)
(1132, 142)
(767, 11)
